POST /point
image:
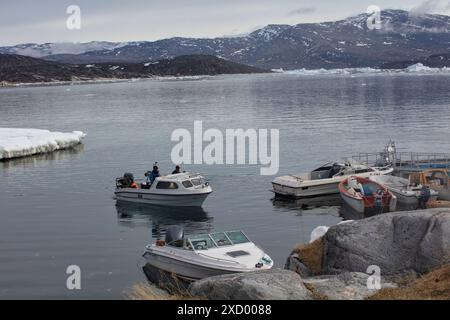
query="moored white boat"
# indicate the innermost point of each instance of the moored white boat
(195, 257)
(323, 180)
(179, 190)
(407, 194)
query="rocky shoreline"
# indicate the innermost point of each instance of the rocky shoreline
(353, 261)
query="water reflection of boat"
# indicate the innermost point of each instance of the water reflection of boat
(193, 219)
(333, 200)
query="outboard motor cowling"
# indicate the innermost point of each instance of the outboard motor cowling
(175, 236)
(126, 181)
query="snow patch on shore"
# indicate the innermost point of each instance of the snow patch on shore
(25, 142)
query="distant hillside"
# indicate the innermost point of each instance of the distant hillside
(433, 61)
(338, 44)
(21, 69)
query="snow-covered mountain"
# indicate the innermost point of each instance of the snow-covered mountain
(40, 50)
(346, 43)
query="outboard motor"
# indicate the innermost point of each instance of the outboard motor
(175, 236)
(126, 181)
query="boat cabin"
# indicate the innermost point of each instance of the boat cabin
(168, 182)
(333, 169)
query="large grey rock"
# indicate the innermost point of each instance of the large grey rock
(396, 242)
(344, 286)
(275, 284)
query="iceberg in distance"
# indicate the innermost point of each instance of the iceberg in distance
(16, 142)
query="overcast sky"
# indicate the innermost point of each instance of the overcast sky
(113, 20)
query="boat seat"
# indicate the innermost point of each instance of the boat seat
(353, 183)
(353, 192)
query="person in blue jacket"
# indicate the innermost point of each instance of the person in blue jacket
(152, 175)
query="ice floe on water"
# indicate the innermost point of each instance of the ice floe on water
(418, 68)
(16, 142)
(320, 231)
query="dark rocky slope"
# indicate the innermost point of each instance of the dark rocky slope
(21, 69)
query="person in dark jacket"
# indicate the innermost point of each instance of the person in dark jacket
(152, 175)
(177, 170)
(424, 197)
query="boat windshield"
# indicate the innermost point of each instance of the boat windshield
(237, 237)
(197, 181)
(201, 242)
(214, 240)
(221, 239)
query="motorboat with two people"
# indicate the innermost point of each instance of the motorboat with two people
(177, 190)
(410, 195)
(323, 180)
(194, 257)
(366, 196)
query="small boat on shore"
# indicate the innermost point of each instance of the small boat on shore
(407, 194)
(366, 196)
(323, 180)
(175, 190)
(194, 257)
(436, 179)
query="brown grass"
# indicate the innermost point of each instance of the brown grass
(311, 255)
(314, 293)
(431, 286)
(438, 204)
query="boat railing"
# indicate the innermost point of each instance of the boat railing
(405, 159)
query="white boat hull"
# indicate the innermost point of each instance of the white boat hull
(158, 265)
(358, 205)
(305, 192)
(444, 194)
(191, 265)
(172, 200)
(406, 200)
(355, 204)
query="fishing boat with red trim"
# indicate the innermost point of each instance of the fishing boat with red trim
(366, 196)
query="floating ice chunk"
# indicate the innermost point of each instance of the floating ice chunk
(416, 68)
(25, 142)
(320, 231)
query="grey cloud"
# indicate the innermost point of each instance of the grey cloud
(432, 6)
(302, 11)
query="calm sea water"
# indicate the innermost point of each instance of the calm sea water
(57, 210)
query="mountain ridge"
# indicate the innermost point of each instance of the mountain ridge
(345, 43)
